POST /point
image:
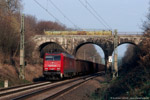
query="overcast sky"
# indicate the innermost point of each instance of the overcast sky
(124, 15)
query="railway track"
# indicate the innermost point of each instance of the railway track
(43, 91)
(9, 91)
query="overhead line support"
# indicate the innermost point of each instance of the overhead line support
(115, 66)
(22, 63)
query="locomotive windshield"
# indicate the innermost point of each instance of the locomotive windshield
(53, 58)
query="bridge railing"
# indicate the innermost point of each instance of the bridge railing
(131, 33)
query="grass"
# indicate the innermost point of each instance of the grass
(123, 86)
(18, 82)
(1, 84)
(25, 82)
(100, 92)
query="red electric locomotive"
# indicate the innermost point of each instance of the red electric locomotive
(58, 65)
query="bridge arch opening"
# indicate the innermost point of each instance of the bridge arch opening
(50, 47)
(126, 52)
(90, 52)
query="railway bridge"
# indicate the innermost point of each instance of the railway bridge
(71, 43)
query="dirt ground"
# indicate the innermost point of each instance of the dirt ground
(11, 73)
(84, 91)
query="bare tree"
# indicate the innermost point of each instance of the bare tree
(10, 6)
(10, 27)
(88, 52)
(48, 25)
(146, 25)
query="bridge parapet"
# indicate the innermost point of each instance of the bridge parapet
(131, 33)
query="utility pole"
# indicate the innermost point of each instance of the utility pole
(84, 53)
(94, 59)
(115, 67)
(22, 63)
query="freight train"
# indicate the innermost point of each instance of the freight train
(61, 65)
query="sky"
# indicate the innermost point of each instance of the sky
(123, 15)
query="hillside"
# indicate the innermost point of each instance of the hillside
(10, 17)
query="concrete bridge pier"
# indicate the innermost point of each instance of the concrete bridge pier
(108, 65)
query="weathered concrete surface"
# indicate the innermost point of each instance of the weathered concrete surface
(71, 43)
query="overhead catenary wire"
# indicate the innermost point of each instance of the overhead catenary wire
(98, 14)
(94, 15)
(47, 11)
(63, 14)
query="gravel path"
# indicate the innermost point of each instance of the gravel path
(84, 91)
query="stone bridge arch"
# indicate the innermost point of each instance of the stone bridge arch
(55, 47)
(127, 43)
(132, 39)
(41, 44)
(104, 47)
(82, 44)
(131, 43)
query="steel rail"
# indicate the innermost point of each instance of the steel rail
(7, 91)
(67, 89)
(2, 89)
(52, 87)
(13, 94)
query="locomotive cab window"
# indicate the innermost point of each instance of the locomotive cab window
(53, 58)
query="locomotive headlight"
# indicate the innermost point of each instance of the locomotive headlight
(58, 68)
(46, 68)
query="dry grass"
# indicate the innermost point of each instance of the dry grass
(33, 71)
(10, 73)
